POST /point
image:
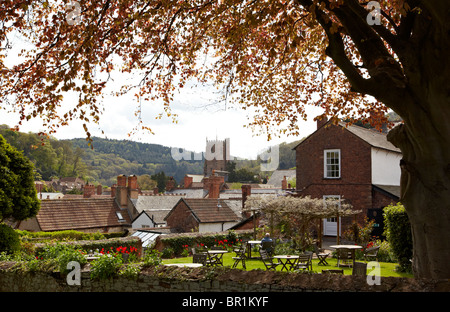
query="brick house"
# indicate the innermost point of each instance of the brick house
(351, 163)
(201, 215)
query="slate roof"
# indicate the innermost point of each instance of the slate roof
(157, 202)
(278, 175)
(394, 190)
(207, 210)
(372, 137)
(77, 214)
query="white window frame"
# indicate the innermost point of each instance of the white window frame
(325, 165)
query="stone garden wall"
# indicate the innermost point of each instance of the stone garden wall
(174, 279)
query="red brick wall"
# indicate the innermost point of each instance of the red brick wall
(181, 219)
(380, 200)
(354, 185)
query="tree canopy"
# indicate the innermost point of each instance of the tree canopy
(18, 196)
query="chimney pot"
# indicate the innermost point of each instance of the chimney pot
(284, 183)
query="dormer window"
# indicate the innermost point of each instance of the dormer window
(332, 164)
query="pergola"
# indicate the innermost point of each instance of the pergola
(306, 208)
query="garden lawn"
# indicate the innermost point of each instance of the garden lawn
(387, 269)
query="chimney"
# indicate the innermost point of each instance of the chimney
(133, 191)
(113, 190)
(246, 192)
(122, 180)
(155, 191)
(122, 190)
(170, 185)
(188, 181)
(284, 184)
(88, 190)
(99, 189)
(214, 186)
(322, 121)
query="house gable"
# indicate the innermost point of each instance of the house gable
(354, 155)
(188, 214)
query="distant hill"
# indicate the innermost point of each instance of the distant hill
(110, 158)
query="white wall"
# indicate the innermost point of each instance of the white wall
(215, 227)
(385, 167)
(143, 219)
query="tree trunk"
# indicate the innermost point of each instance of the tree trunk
(425, 193)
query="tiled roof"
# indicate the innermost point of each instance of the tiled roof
(210, 210)
(65, 214)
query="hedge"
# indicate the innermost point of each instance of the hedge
(93, 245)
(175, 244)
(398, 234)
(66, 235)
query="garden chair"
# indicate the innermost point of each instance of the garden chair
(371, 252)
(344, 256)
(267, 260)
(268, 246)
(359, 269)
(321, 255)
(304, 262)
(332, 271)
(199, 258)
(240, 256)
(214, 259)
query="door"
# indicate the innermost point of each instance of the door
(330, 224)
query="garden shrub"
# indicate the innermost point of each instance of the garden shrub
(152, 258)
(9, 239)
(398, 234)
(62, 254)
(106, 266)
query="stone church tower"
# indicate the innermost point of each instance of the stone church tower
(217, 155)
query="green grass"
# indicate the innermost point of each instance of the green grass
(387, 269)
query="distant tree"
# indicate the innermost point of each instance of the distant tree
(145, 182)
(18, 195)
(240, 175)
(161, 180)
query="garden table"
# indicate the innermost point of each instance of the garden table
(250, 247)
(352, 249)
(286, 260)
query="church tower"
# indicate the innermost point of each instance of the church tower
(217, 155)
